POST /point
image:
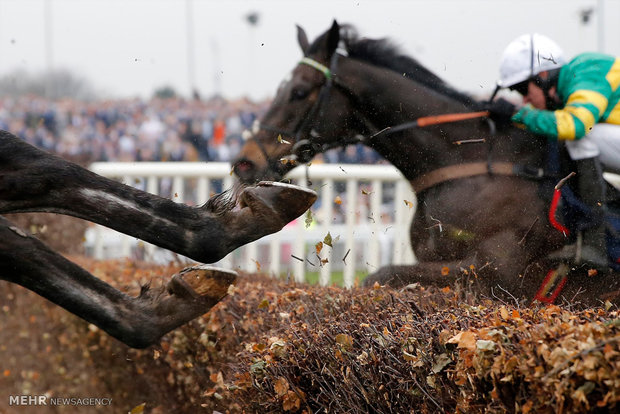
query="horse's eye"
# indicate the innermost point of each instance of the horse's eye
(298, 94)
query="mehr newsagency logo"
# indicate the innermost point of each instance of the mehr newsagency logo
(34, 400)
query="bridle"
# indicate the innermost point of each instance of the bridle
(305, 149)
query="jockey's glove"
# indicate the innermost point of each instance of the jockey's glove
(501, 110)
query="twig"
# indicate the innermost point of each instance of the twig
(563, 180)
(469, 141)
(344, 259)
(485, 265)
(298, 258)
(438, 224)
(522, 241)
(427, 394)
(380, 132)
(509, 294)
(497, 297)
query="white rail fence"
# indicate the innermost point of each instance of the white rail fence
(365, 209)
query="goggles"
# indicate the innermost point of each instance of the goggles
(521, 87)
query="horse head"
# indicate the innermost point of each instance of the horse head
(347, 90)
(310, 113)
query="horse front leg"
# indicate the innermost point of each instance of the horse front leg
(265, 209)
(492, 267)
(439, 274)
(33, 180)
(136, 321)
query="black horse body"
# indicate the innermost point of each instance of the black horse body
(33, 180)
(477, 213)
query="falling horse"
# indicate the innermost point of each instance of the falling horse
(33, 180)
(480, 211)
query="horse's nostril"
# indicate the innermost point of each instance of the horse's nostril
(243, 166)
(245, 170)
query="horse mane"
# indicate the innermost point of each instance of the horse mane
(384, 53)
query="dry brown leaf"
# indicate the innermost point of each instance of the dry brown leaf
(504, 313)
(318, 247)
(281, 386)
(138, 409)
(291, 402)
(345, 340)
(464, 340)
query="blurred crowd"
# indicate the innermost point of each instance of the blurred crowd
(170, 129)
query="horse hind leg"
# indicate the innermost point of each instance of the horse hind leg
(136, 321)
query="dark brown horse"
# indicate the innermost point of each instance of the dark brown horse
(481, 214)
(33, 180)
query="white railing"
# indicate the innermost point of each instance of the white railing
(366, 209)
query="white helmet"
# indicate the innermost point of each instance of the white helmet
(527, 56)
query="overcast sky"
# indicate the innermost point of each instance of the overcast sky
(131, 47)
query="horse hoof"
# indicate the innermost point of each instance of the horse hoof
(202, 281)
(286, 200)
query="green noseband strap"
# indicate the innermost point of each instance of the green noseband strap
(318, 66)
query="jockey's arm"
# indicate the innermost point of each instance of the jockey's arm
(585, 87)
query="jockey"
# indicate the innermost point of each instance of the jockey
(576, 101)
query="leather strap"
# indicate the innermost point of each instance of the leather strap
(453, 172)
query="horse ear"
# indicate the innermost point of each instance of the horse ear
(333, 38)
(302, 39)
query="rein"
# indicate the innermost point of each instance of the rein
(432, 120)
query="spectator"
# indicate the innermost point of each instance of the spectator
(129, 130)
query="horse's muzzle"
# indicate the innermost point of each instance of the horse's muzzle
(246, 170)
(250, 173)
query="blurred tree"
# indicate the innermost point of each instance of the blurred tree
(252, 18)
(61, 83)
(165, 92)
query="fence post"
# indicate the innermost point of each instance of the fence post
(327, 207)
(349, 245)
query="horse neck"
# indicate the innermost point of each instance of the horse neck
(391, 99)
